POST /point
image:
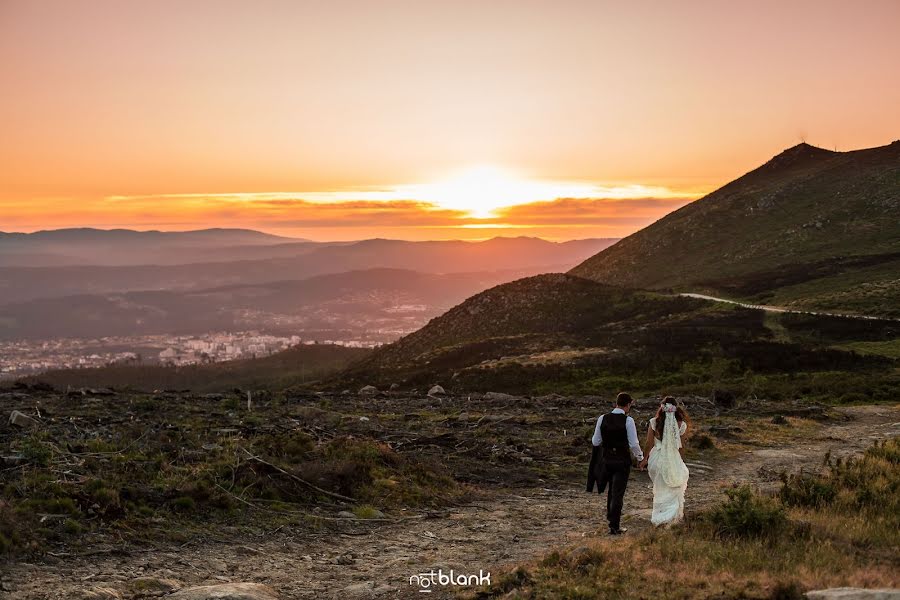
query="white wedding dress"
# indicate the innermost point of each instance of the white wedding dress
(668, 472)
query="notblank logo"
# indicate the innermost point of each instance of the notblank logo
(426, 582)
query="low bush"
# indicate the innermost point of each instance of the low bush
(747, 515)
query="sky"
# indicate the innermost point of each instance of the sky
(421, 119)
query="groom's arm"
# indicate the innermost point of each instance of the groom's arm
(597, 439)
(633, 442)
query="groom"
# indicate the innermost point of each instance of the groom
(614, 436)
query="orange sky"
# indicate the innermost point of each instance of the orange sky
(344, 120)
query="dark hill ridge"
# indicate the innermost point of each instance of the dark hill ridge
(564, 334)
(538, 314)
(810, 227)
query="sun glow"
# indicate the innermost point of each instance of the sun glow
(481, 191)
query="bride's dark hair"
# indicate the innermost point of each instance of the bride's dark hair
(680, 415)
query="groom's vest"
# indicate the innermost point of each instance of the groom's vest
(614, 436)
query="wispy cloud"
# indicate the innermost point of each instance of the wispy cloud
(353, 214)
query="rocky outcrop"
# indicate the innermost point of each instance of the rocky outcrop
(227, 591)
(847, 593)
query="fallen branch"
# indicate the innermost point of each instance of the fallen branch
(299, 479)
(298, 512)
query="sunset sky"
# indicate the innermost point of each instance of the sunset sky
(421, 119)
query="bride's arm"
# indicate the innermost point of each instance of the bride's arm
(648, 446)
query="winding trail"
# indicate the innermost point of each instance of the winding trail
(781, 309)
(504, 530)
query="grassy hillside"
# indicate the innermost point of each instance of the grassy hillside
(295, 367)
(564, 334)
(805, 229)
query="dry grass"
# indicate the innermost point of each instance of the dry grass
(846, 538)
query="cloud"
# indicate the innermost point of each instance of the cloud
(355, 218)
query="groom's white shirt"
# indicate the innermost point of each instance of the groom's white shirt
(630, 429)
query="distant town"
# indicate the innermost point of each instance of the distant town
(29, 357)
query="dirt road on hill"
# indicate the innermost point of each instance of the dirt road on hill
(781, 309)
(377, 560)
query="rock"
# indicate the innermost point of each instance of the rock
(346, 514)
(359, 590)
(498, 396)
(395, 387)
(369, 390)
(101, 593)
(346, 393)
(437, 391)
(344, 559)
(100, 392)
(143, 587)
(20, 419)
(854, 594)
(227, 591)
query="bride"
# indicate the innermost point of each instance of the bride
(667, 469)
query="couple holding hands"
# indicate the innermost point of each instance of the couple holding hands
(615, 441)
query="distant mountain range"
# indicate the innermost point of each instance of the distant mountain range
(242, 265)
(810, 228)
(118, 247)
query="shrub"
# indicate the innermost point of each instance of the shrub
(36, 452)
(747, 514)
(807, 490)
(787, 591)
(184, 504)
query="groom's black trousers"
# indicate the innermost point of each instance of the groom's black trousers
(610, 469)
(617, 475)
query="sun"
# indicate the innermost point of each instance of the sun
(480, 191)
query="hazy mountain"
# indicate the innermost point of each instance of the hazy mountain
(810, 227)
(19, 284)
(118, 247)
(383, 303)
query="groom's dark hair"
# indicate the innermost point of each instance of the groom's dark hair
(624, 399)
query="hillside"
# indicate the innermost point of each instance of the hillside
(810, 228)
(559, 333)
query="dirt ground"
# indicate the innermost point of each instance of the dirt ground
(371, 560)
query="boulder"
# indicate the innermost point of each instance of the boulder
(369, 390)
(498, 396)
(101, 593)
(395, 387)
(227, 591)
(20, 419)
(152, 587)
(437, 391)
(847, 593)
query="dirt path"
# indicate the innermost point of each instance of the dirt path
(486, 535)
(780, 309)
